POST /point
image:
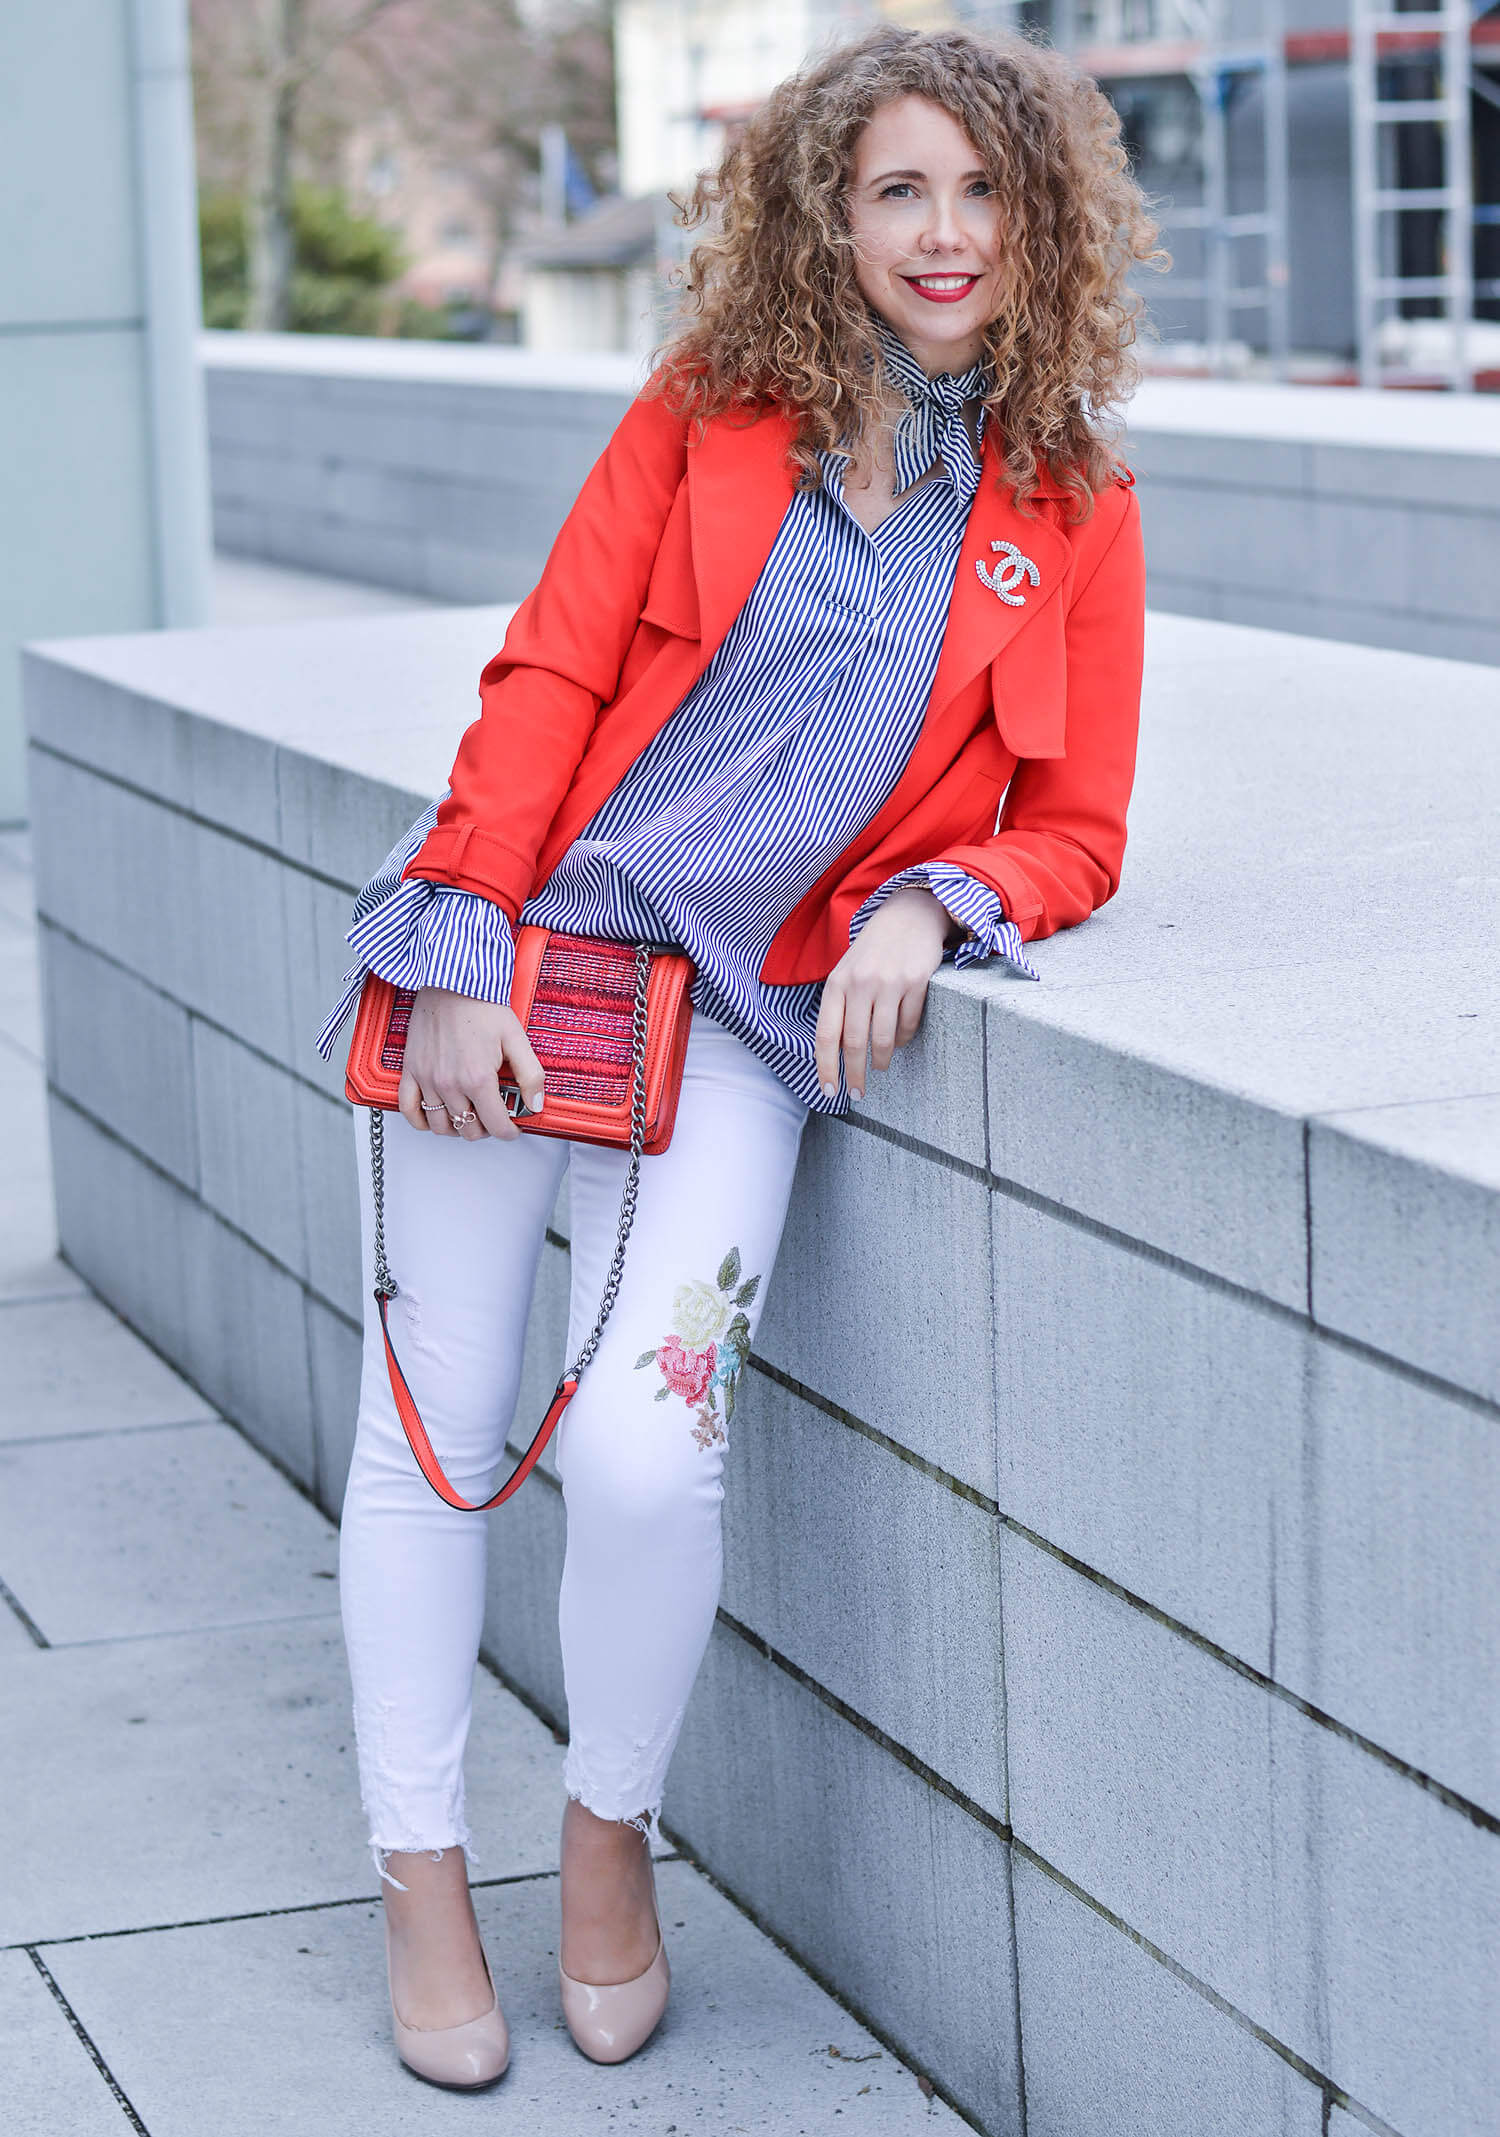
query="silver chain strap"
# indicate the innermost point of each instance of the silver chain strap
(385, 1283)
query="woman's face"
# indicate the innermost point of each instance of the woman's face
(926, 224)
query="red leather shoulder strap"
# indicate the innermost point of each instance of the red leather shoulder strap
(421, 1445)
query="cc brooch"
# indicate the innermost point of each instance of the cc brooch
(1009, 575)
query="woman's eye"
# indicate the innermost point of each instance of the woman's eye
(982, 187)
(895, 190)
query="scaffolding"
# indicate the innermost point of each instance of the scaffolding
(1119, 40)
(1390, 53)
(1217, 65)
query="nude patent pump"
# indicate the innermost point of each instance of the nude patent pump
(609, 2021)
(466, 2056)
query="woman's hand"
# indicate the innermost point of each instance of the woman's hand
(875, 993)
(455, 1049)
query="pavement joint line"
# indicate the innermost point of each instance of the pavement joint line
(121, 2097)
(14, 1603)
(183, 1632)
(113, 1432)
(1332, 2093)
(299, 1485)
(49, 1298)
(13, 1045)
(271, 1914)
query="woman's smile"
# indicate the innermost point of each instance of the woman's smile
(942, 289)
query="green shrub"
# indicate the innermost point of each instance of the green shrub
(341, 263)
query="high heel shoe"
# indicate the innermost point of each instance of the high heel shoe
(464, 2056)
(610, 2020)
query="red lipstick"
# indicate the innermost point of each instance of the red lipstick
(942, 296)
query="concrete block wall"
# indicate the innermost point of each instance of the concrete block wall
(447, 471)
(1103, 1699)
(442, 471)
(1354, 514)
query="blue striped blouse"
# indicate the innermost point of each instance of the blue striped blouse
(783, 750)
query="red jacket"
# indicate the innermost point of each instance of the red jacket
(1037, 701)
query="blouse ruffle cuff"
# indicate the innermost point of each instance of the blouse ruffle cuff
(424, 934)
(972, 903)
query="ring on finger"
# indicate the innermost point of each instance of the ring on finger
(436, 1106)
(461, 1120)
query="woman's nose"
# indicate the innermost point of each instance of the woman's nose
(944, 231)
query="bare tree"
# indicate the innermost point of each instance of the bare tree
(469, 83)
(473, 86)
(254, 66)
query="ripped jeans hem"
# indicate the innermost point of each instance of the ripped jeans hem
(647, 1821)
(380, 1854)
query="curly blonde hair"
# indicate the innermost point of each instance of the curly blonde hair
(773, 315)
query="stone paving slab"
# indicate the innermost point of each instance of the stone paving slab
(23, 1097)
(169, 1531)
(15, 898)
(19, 986)
(29, 1267)
(175, 1779)
(253, 2028)
(248, 590)
(30, 1273)
(52, 2087)
(73, 1366)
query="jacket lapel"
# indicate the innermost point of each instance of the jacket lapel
(739, 486)
(740, 483)
(982, 623)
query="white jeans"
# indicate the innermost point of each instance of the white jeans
(640, 1449)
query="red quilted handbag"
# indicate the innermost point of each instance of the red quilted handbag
(609, 1023)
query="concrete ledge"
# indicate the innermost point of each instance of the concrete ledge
(1340, 512)
(447, 471)
(1104, 1699)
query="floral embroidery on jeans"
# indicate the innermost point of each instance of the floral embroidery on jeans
(705, 1353)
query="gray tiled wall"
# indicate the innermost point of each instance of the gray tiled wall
(456, 490)
(1103, 1700)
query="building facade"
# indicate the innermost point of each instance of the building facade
(1246, 129)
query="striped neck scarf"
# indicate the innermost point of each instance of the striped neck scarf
(933, 420)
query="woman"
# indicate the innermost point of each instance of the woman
(855, 565)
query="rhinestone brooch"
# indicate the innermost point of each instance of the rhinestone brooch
(1010, 574)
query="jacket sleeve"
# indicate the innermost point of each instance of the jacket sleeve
(1055, 856)
(540, 695)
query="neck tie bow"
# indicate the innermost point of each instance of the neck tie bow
(932, 422)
